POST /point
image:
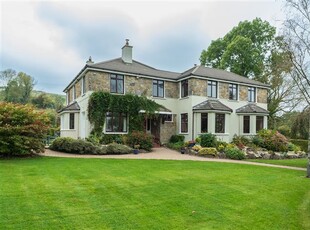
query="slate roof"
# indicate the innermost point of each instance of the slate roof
(72, 107)
(219, 74)
(252, 108)
(212, 104)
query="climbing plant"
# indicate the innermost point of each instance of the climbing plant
(102, 102)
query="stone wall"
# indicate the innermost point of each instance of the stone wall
(70, 95)
(78, 88)
(262, 95)
(96, 81)
(243, 93)
(171, 89)
(168, 129)
(138, 86)
(197, 87)
(224, 90)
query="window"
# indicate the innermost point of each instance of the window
(71, 121)
(184, 88)
(184, 123)
(116, 122)
(83, 85)
(251, 94)
(204, 123)
(167, 118)
(158, 88)
(148, 124)
(259, 123)
(246, 124)
(233, 92)
(212, 89)
(220, 123)
(117, 83)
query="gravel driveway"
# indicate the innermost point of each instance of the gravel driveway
(162, 154)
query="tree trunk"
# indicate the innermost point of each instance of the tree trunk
(308, 167)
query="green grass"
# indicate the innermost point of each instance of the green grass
(62, 193)
(301, 162)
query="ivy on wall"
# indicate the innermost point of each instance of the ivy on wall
(102, 102)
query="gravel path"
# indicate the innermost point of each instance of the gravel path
(162, 154)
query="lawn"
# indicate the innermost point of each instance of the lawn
(63, 193)
(301, 162)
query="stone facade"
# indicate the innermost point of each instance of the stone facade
(138, 86)
(224, 90)
(70, 95)
(78, 88)
(243, 93)
(197, 87)
(262, 95)
(167, 129)
(171, 89)
(96, 81)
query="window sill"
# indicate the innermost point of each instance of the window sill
(105, 132)
(117, 93)
(159, 98)
(183, 98)
(183, 133)
(221, 134)
(68, 130)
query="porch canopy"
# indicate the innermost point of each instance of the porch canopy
(162, 110)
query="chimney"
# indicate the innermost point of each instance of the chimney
(127, 53)
(89, 61)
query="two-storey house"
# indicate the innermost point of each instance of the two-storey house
(199, 100)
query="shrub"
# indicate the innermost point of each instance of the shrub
(273, 140)
(176, 146)
(140, 138)
(208, 140)
(292, 147)
(22, 129)
(303, 144)
(177, 138)
(240, 141)
(70, 145)
(93, 138)
(234, 153)
(230, 146)
(198, 140)
(115, 148)
(208, 152)
(221, 145)
(111, 138)
(196, 148)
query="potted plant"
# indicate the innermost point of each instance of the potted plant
(136, 149)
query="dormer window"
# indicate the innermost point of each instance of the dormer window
(251, 94)
(212, 89)
(117, 83)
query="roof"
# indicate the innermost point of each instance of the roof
(252, 108)
(140, 69)
(212, 104)
(72, 107)
(220, 74)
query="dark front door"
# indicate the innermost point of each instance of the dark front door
(155, 130)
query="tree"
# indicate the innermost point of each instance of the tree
(43, 101)
(297, 36)
(22, 129)
(6, 76)
(19, 88)
(243, 50)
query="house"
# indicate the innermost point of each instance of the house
(197, 101)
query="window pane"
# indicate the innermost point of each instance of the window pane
(233, 92)
(246, 124)
(251, 94)
(220, 123)
(259, 123)
(120, 86)
(184, 123)
(212, 89)
(155, 88)
(160, 89)
(204, 123)
(113, 85)
(71, 121)
(116, 122)
(184, 88)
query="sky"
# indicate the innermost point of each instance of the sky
(52, 40)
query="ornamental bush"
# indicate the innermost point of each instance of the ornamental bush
(144, 140)
(207, 152)
(272, 140)
(176, 138)
(115, 148)
(208, 140)
(70, 145)
(235, 154)
(22, 128)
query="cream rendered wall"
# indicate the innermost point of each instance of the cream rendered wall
(86, 127)
(64, 129)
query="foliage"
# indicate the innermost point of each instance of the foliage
(140, 138)
(93, 138)
(284, 130)
(271, 140)
(196, 148)
(48, 101)
(240, 141)
(208, 140)
(230, 146)
(235, 154)
(300, 126)
(115, 148)
(22, 129)
(177, 138)
(102, 102)
(198, 140)
(292, 147)
(70, 145)
(303, 144)
(207, 152)
(176, 146)
(110, 138)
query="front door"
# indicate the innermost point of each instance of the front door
(155, 129)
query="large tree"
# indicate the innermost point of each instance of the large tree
(18, 88)
(253, 50)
